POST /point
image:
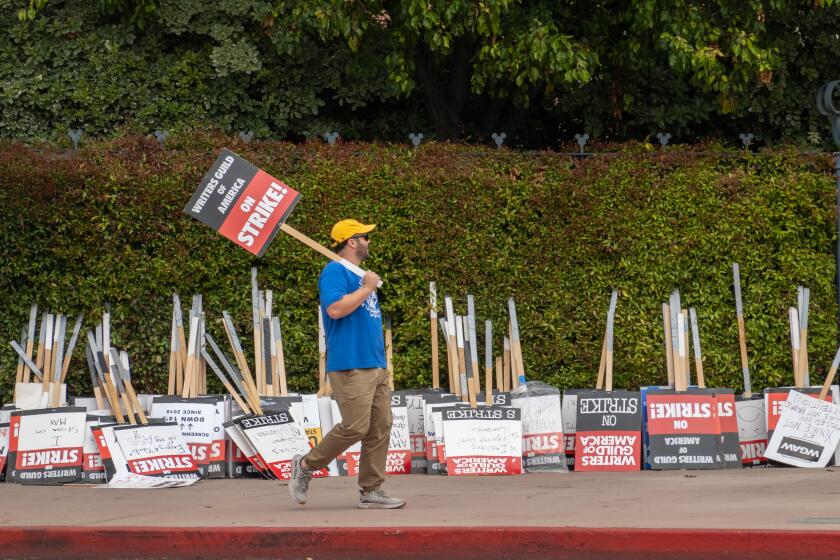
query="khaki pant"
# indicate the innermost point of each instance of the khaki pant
(364, 399)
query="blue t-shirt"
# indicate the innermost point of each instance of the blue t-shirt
(355, 340)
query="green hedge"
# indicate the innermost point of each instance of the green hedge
(106, 225)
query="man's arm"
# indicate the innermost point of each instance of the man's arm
(350, 302)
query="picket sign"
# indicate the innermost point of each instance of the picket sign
(93, 470)
(46, 445)
(608, 431)
(244, 461)
(248, 206)
(807, 432)
(398, 460)
(683, 428)
(430, 403)
(752, 430)
(110, 453)
(277, 437)
(542, 428)
(5, 415)
(482, 441)
(157, 450)
(196, 419)
(568, 415)
(729, 453)
(775, 400)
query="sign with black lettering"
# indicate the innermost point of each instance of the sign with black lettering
(45, 445)
(752, 430)
(543, 448)
(244, 460)
(807, 432)
(569, 416)
(242, 202)
(109, 450)
(157, 450)
(775, 400)
(277, 437)
(93, 470)
(608, 434)
(730, 448)
(683, 429)
(483, 441)
(398, 460)
(430, 402)
(196, 418)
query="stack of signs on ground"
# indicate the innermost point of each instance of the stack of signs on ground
(482, 441)
(431, 403)
(157, 450)
(608, 431)
(730, 448)
(417, 427)
(543, 448)
(807, 433)
(45, 445)
(93, 470)
(197, 421)
(276, 437)
(752, 430)
(683, 429)
(569, 416)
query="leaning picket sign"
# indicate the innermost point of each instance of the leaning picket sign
(807, 432)
(608, 431)
(46, 445)
(483, 441)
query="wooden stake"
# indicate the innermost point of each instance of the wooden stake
(829, 379)
(39, 357)
(686, 359)
(389, 352)
(742, 335)
(322, 354)
(49, 335)
(120, 365)
(803, 339)
(105, 378)
(434, 324)
(173, 356)
(506, 364)
(281, 359)
(669, 353)
(473, 339)
(500, 374)
(245, 408)
(462, 367)
(189, 375)
(449, 370)
(610, 341)
(182, 345)
(488, 363)
(70, 347)
(30, 339)
(452, 348)
(94, 378)
(517, 361)
(247, 380)
(20, 365)
(698, 355)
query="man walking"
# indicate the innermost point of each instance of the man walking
(356, 370)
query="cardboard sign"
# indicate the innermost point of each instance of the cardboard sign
(196, 418)
(543, 447)
(217, 464)
(244, 461)
(416, 427)
(483, 441)
(430, 402)
(730, 448)
(45, 445)
(752, 430)
(683, 429)
(4, 447)
(93, 470)
(110, 453)
(242, 202)
(569, 417)
(608, 431)
(277, 437)
(398, 460)
(158, 450)
(807, 432)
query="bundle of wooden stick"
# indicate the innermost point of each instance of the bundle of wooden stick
(678, 324)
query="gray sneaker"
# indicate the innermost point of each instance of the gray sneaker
(377, 499)
(299, 483)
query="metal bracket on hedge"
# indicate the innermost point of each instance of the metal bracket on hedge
(416, 138)
(581, 142)
(663, 138)
(331, 137)
(499, 138)
(746, 139)
(75, 134)
(246, 136)
(161, 136)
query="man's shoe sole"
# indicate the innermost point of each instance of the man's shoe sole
(363, 505)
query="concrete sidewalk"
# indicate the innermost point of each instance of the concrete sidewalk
(688, 509)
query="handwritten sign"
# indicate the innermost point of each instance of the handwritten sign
(277, 437)
(158, 450)
(543, 448)
(109, 450)
(398, 460)
(608, 431)
(242, 202)
(245, 462)
(807, 432)
(775, 400)
(683, 429)
(196, 418)
(752, 430)
(483, 441)
(430, 402)
(45, 445)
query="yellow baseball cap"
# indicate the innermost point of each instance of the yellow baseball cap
(345, 229)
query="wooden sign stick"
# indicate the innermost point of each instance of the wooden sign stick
(22, 354)
(488, 362)
(30, 339)
(20, 365)
(247, 380)
(55, 382)
(269, 356)
(500, 374)
(104, 378)
(173, 357)
(119, 363)
(255, 314)
(681, 376)
(389, 351)
(676, 338)
(793, 319)
(803, 339)
(281, 359)
(189, 369)
(444, 329)
(469, 367)
(602, 365)
(94, 379)
(225, 382)
(686, 365)
(669, 356)
(120, 387)
(39, 357)
(322, 355)
(506, 364)
(742, 335)
(452, 335)
(462, 367)
(234, 375)
(829, 379)
(610, 341)
(698, 355)
(435, 346)
(473, 339)
(517, 359)
(70, 347)
(182, 344)
(49, 339)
